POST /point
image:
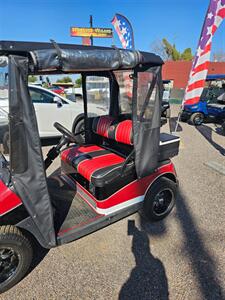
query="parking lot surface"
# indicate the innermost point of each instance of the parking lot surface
(182, 257)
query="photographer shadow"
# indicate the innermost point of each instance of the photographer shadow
(148, 278)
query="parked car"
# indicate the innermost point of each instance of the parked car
(49, 107)
(210, 108)
(57, 89)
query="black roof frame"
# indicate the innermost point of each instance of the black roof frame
(143, 60)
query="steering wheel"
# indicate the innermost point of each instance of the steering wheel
(68, 136)
(66, 133)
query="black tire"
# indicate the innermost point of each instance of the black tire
(197, 119)
(80, 139)
(160, 199)
(15, 256)
(183, 119)
(5, 142)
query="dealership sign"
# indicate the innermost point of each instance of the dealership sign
(91, 32)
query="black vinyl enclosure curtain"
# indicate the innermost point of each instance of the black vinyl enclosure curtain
(26, 161)
(147, 97)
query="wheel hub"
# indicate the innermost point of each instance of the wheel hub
(9, 262)
(163, 201)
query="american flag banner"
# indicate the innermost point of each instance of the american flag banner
(213, 19)
(124, 31)
(126, 36)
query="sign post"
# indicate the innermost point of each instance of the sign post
(88, 33)
(91, 26)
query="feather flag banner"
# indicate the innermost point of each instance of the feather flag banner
(124, 31)
(213, 19)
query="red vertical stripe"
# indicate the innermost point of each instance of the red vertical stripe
(104, 123)
(123, 132)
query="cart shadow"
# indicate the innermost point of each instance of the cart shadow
(173, 124)
(39, 254)
(206, 132)
(219, 130)
(148, 279)
(203, 265)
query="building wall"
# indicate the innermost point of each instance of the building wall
(179, 71)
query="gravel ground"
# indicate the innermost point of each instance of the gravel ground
(182, 257)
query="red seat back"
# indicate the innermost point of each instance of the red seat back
(108, 127)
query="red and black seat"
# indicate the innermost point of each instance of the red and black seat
(108, 127)
(100, 164)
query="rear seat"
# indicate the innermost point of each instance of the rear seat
(98, 164)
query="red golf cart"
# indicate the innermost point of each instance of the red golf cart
(123, 166)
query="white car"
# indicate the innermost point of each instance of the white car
(51, 107)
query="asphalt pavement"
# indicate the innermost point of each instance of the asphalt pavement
(182, 257)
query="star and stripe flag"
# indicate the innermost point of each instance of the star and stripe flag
(125, 33)
(213, 19)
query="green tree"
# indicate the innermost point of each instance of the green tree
(187, 54)
(32, 78)
(78, 82)
(65, 79)
(171, 50)
(174, 54)
(45, 85)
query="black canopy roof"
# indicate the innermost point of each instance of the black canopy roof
(52, 57)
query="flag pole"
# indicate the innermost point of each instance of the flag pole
(178, 118)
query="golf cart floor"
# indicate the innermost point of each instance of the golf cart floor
(79, 214)
(73, 216)
(71, 212)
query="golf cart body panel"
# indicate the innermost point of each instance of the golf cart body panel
(68, 205)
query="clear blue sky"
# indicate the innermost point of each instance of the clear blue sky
(180, 21)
